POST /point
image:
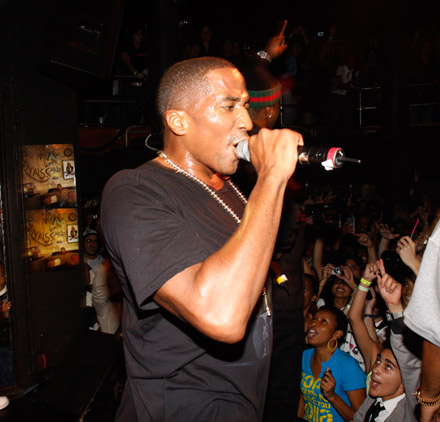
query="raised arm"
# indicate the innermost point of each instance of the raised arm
(366, 241)
(406, 248)
(368, 347)
(430, 388)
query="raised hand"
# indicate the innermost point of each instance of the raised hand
(389, 289)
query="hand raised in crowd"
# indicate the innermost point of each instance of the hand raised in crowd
(389, 289)
(364, 240)
(347, 276)
(276, 46)
(386, 232)
(326, 273)
(406, 248)
(371, 270)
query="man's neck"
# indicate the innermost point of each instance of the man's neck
(213, 180)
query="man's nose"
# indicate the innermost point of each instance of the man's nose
(245, 120)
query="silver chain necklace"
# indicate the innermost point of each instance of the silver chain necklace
(211, 192)
(220, 201)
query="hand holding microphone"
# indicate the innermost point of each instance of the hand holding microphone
(329, 157)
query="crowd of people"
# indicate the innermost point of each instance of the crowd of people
(359, 272)
(341, 272)
(246, 295)
(322, 73)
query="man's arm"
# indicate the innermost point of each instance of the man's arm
(430, 388)
(218, 296)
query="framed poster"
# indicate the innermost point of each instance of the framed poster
(49, 192)
(49, 176)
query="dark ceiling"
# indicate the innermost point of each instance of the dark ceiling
(251, 18)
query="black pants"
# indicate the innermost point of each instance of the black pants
(283, 389)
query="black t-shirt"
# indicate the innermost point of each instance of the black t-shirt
(157, 223)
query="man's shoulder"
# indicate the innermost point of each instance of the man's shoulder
(147, 177)
(128, 176)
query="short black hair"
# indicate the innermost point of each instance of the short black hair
(185, 81)
(341, 320)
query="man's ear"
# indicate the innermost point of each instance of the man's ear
(176, 121)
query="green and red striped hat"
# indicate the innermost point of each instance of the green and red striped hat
(265, 97)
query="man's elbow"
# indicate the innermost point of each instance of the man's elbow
(228, 331)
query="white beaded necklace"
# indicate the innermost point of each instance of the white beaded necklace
(220, 201)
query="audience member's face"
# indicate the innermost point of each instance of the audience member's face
(407, 289)
(341, 289)
(386, 381)
(91, 245)
(217, 122)
(354, 267)
(363, 225)
(321, 328)
(309, 296)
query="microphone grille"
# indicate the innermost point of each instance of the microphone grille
(243, 150)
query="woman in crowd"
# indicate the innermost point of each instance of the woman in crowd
(332, 383)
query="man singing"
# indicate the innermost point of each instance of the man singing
(192, 253)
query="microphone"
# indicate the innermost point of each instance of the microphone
(329, 157)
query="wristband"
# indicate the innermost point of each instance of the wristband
(366, 282)
(363, 288)
(369, 316)
(426, 402)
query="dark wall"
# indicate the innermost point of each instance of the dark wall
(37, 109)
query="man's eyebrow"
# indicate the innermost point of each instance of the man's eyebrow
(231, 98)
(390, 362)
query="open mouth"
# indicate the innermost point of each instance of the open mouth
(311, 333)
(374, 383)
(340, 290)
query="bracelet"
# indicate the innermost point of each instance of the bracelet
(263, 55)
(426, 402)
(366, 282)
(281, 279)
(369, 316)
(363, 288)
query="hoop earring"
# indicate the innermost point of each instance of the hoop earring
(332, 348)
(307, 340)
